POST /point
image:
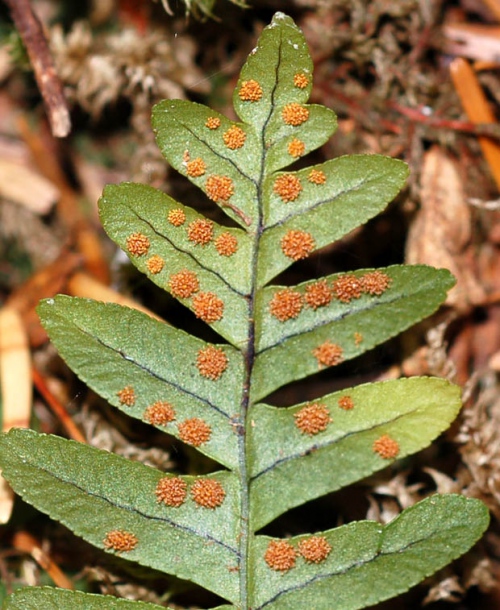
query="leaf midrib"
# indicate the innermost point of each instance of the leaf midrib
(250, 356)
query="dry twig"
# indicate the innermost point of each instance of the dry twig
(31, 32)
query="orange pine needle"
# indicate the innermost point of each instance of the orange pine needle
(57, 407)
(477, 108)
(494, 6)
(22, 541)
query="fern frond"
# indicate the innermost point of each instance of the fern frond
(206, 528)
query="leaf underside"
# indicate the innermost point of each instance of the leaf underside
(370, 562)
(48, 598)
(114, 493)
(413, 411)
(210, 395)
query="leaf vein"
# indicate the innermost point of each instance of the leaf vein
(328, 443)
(352, 566)
(170, 522)
(150, 372)
(179, 249)
(372, 304)
(215, 152)
(362, 183)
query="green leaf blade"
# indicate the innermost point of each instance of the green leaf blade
(281, 53)
(370, 562)
(281, 138)
(48, 598)
(111, 348)
(130, 209)
(286, 350)
(182, 135)
(281, 68)
(412, 411)
(124, 205)
(357, 188)
(94, 492)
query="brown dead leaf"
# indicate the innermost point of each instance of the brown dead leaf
(480, 439)
(441, 233)
(15, 370)
(27, 187)
(478, 109)
(15, 381)
(83, 285)
(449, 589)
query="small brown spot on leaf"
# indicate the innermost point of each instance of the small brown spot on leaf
(386, 447)
(234, 137)
(213, 122)
(138, 244)
(208, 493)
(328, 353)
(346, 403)
(347, 287)
(296, 148)
(250, 91)
(194, 431)
(155, 264)
(375, 283)
(211, 362)
(295, 114)
(127, 396)
(288, 187)
(171, 491)
(300, 80)
(120, 541)
(176, 217)
(316, 176)
(183, 284)
(315, 549)
(195, 168)
(297, 244)
(208, 307)
(280, 555)
(219, 188)
(160, 413)
(358, 338)
(286, 304)
(200, 231)
(313, 418)
(318, 294)
(226, 244)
